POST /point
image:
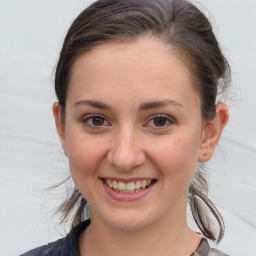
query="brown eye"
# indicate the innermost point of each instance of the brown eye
(97, 121)
(159, 121)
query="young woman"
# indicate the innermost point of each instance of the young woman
(136, 83)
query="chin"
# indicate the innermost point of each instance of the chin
(128, 222)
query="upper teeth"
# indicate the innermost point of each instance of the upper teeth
(129, 186)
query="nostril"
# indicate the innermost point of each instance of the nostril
(125, 160)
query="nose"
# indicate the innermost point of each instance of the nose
(126, 150)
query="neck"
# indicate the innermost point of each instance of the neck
(166, 237)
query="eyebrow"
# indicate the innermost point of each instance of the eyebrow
(143, 106)
(93, 103)
(157, 104)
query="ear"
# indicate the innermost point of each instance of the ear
(56, 109)
(211, 133)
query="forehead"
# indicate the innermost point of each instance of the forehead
(143, 66)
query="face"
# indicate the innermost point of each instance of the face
(133, 132)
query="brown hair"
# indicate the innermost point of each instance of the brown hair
(177, 23)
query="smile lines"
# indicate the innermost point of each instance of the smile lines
(129, 187)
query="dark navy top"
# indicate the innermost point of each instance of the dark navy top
(68, 246)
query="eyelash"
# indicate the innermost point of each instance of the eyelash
(167, 119)
(90, 117)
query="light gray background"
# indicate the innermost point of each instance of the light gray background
(31, 33)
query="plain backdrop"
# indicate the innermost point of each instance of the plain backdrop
(31, 159)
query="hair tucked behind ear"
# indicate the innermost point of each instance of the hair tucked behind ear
(177, 23)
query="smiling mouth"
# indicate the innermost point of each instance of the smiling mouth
(129, 187)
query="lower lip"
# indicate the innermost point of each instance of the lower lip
(128, 197)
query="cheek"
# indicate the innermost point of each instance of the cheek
(177, 157)
(84, 155)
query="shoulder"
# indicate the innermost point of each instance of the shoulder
(63, 247)
(205, 250)
(51, 249)
(215, 252)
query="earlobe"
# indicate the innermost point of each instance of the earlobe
(59, 125)
(211, 133)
